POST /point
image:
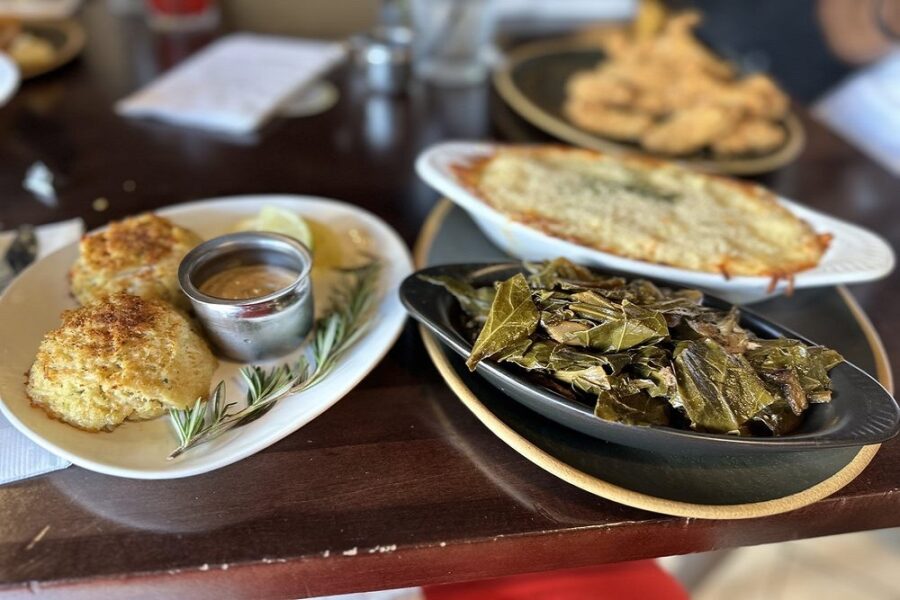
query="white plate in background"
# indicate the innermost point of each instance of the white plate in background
(32, 304)
(9, 78)
(854, 255)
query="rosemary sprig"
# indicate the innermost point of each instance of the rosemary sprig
(333, 334)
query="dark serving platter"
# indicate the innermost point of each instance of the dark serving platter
(532, 81)
(861, 412)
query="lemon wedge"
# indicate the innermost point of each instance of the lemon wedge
(279, 220)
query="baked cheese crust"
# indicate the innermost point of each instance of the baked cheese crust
(646, 210)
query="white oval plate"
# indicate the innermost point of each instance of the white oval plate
(32, 304)
(9, 78)
(855, 254)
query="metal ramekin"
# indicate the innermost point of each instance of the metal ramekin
(256, 328)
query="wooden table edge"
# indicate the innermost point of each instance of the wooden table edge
(355, 569)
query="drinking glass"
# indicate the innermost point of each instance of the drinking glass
(451, 40)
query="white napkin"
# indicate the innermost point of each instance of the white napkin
(234, 84)
(20, 457)
(865, 110)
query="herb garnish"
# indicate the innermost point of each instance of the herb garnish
(333, 334)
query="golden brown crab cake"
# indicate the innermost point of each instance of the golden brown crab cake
(139, 255)
(123, 357)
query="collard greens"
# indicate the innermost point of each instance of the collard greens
(644, 355)
(511, 319)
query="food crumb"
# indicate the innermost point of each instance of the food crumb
(100, 204)
(38, 537)
(351, 552)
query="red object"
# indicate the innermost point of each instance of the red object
(638, 580)
(179, 7)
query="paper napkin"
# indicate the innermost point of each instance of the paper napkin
(865, 110)
(20, 457)
(235, 84)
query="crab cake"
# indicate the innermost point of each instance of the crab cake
(120, 358)
(139, 255)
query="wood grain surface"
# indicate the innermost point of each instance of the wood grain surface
(377, 492)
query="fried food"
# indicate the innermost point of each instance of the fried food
(650, 18)
(687, 131)
(772, 103)
(678, 44)
(31, 52)
(645, 210)
(139, 255)
(752, 136)
(120, 358)
(640, 75)
(693, 89)
(662, 87)
(592, 85)
(609, 122)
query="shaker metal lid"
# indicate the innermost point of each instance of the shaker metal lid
(385, 44)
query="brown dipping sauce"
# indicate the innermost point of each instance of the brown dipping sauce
(249, 281)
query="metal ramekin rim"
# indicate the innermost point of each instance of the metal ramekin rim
(193, 259)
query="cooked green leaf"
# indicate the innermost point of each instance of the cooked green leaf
(511, 318)
(475, 302)
(651, 370)
(647, 355)
(724, 328)
(548, 274)
(537, 356)
(637, 409)
(514, 352)
(808, 364)
(778, 418)
(719, 392)
(622, 326)
(570, 357)
(592, 380)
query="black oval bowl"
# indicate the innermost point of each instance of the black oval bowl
(861, 411)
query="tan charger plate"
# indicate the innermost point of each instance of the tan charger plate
(67, 37)
(449, 236)
(532, 82)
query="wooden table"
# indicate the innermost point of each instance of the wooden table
(375, 493)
